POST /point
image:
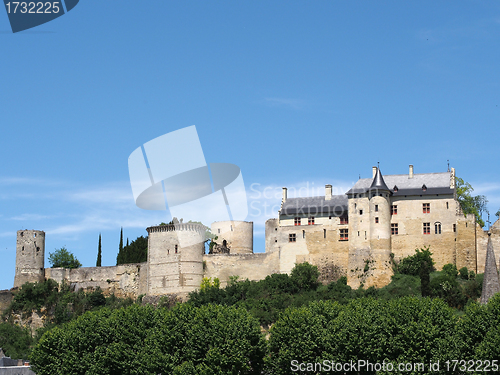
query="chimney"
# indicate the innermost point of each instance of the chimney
(328, 192)
(284, 194)
(374, 169)
(452, 178)
(411, 171)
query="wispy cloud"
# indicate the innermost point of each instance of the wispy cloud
(8, 234)
(477, 29)
(296, 104)
(27, 181)
(32, 217)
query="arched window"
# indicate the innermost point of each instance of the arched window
(437, 228)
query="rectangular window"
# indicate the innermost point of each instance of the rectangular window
(426, 207)
(376, 220)
(361, 212)
(376, 208)
(454, 228)
(394, 229)
(344, 235)
(437, 228)
(291, 237)
(176, 249)
(310, 220)
(427, 228)
(296, 220)
(344, 220)
(394, 209)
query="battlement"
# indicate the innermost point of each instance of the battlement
(195, 227)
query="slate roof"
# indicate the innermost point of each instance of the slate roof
(337, 206)
(378, 182)
(436, 183)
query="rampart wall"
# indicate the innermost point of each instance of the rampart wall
(127, 280)
(247, 266)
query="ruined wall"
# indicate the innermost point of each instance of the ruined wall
(6, 297)
(247, 266)
(237, 234)
(127, 280)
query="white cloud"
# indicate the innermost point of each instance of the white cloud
(285, 102)
(33, 217)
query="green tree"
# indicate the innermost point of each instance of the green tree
(425, 279)
(305, 276)
(99, 253)
(411, 265)
(15, 341)
(63, 258)
(402, 330)
(136, 252)
(144, 340)
(120, 246)
(497, 214)
(470, 204)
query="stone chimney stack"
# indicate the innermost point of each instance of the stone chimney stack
(284, 194)
(411, 171)
(452, 178)
(328, 192)
(374, 170)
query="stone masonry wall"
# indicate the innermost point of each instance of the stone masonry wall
(127, 280)
(247, 266)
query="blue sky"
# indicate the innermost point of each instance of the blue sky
(295, 93)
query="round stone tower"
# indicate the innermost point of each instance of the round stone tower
(380, 231)
(30, 256)
(237, 236)
(175, 258)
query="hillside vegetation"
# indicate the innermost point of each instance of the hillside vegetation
(220, 330)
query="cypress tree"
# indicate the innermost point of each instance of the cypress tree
(120, 248)
(99, 253)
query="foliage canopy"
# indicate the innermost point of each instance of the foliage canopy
(63, 258)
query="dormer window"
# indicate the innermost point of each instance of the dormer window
(395, 188)
(424, 188)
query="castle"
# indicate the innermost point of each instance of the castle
(358, 234)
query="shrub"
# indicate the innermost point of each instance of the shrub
(411, 265)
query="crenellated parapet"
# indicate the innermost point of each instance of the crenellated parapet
(195, 227)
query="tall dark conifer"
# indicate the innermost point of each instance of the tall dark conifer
(120, 248)
(99, 253)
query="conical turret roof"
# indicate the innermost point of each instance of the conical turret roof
(378, 182)
(491, 284)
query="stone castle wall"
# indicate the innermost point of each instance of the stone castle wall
(246, 266)
(126, 280)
